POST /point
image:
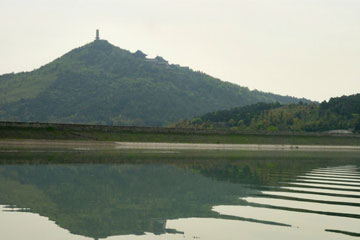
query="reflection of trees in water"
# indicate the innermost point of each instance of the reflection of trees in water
(101, 200)
(268, 168)
(105, 200)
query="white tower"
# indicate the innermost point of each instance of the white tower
(97, 35)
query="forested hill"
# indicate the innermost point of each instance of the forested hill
(337, 113)
(103, 84)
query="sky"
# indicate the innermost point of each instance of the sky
(301, 48)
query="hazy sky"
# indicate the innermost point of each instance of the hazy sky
(302, 48)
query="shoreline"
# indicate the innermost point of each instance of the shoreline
(100, 134)
(229, 147)
(116, 145)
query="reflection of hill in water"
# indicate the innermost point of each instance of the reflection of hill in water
(101, 200)
(105, 200)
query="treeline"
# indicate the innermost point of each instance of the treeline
(338, 113)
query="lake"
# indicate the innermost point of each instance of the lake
(76, 192)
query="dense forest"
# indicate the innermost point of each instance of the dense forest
(102, 84)
(337, 113)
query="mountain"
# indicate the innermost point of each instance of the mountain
(338, 113)
(103, 84)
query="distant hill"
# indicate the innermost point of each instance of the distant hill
(336, 114)
(103, 84)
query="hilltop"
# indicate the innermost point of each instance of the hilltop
(100, 83)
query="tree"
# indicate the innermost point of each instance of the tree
(357, 125)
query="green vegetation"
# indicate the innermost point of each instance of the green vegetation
(103, 84)
(74, 132)
(338, 113)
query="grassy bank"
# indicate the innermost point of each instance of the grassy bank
(131, 134)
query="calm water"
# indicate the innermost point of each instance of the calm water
(105, 194)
